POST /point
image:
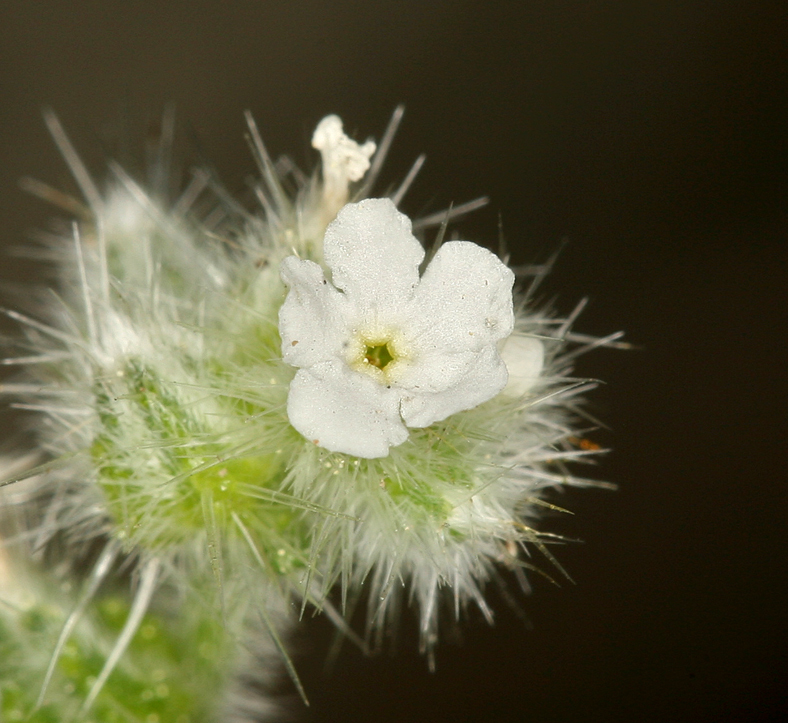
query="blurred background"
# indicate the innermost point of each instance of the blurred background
(652, 136)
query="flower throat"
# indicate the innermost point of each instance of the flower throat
(379, 356)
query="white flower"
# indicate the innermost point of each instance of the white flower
(344, 160)
(380, 348)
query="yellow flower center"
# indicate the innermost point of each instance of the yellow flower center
(379, 356)
(381, 353)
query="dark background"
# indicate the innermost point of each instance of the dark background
(652, 134)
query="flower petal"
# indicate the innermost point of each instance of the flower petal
(345, 411)
(483, 381)
(312, 319)
(462, 305)
(373, 256)
(524, 359)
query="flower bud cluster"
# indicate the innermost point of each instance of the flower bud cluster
(280, 401)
